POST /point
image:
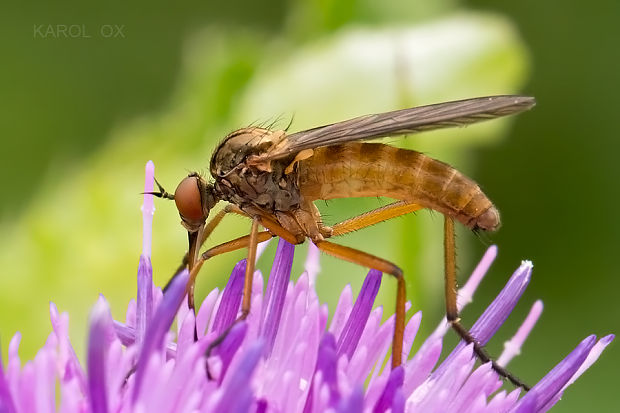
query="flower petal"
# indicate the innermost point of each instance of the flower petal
(231, 299)
(68, 358)
(144, 306)
(160, 325)
(237, 394)
(326, 363)
(6, 400)
(342, 311)
(352, 331)
(354, 403)
(527, 405)
(312, 265)
(512, 347)
(499, 310)
(148, 209)
(276, 293)
(387, 398)
(555, 380)
(229, 346)
(97, 343)
(593, 355)
(495, 314)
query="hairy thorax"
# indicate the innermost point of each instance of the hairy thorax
(242, 183)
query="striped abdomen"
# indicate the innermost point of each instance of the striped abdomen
(374, 169)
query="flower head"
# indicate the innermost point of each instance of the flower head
(285, 357)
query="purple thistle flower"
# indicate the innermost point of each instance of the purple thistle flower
(285, 357)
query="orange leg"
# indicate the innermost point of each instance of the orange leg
(278, 231)
(452, 314)
(362, 258)
(248, 241)
(197, 239)
(370, 261)
(375, 216)
(215, 221)
(249, 270)
(367, 260)
(251, 241)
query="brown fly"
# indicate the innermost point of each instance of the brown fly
(273, 178)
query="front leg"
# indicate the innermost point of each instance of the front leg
(196, 241)
(250, 241)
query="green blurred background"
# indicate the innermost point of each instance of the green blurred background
(84, 109)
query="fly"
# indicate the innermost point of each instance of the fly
(273, 178)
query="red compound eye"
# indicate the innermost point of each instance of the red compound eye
(188, 199)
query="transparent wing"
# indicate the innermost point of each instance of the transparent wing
(400, 122)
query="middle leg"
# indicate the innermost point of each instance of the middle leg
(367, 219)
(371, 261)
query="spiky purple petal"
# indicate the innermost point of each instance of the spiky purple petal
(499, 310)
(512, 347)
(230, 345)
(97, 345)
(144, 304)
(527, 405)
(495, 315)
(554, 381)
(231, 299)
(68, 358)
(148, 209)
(352, 331)
(276, 294)
(354, 403)
(6, 400)
(162, 320)
(237, 395)
(326, 365)
(593, 355)
(145, 296)
(394, 383)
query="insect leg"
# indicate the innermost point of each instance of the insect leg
(277, 230)
(233, 245)
(249, 270)
(251, 241)
(452, 313)
(208, 229)
(371, 261)
(205, 232)
(450, 285)
(374, 217)
(274, 229)
(215, 221)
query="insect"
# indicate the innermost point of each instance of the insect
(273, 178)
